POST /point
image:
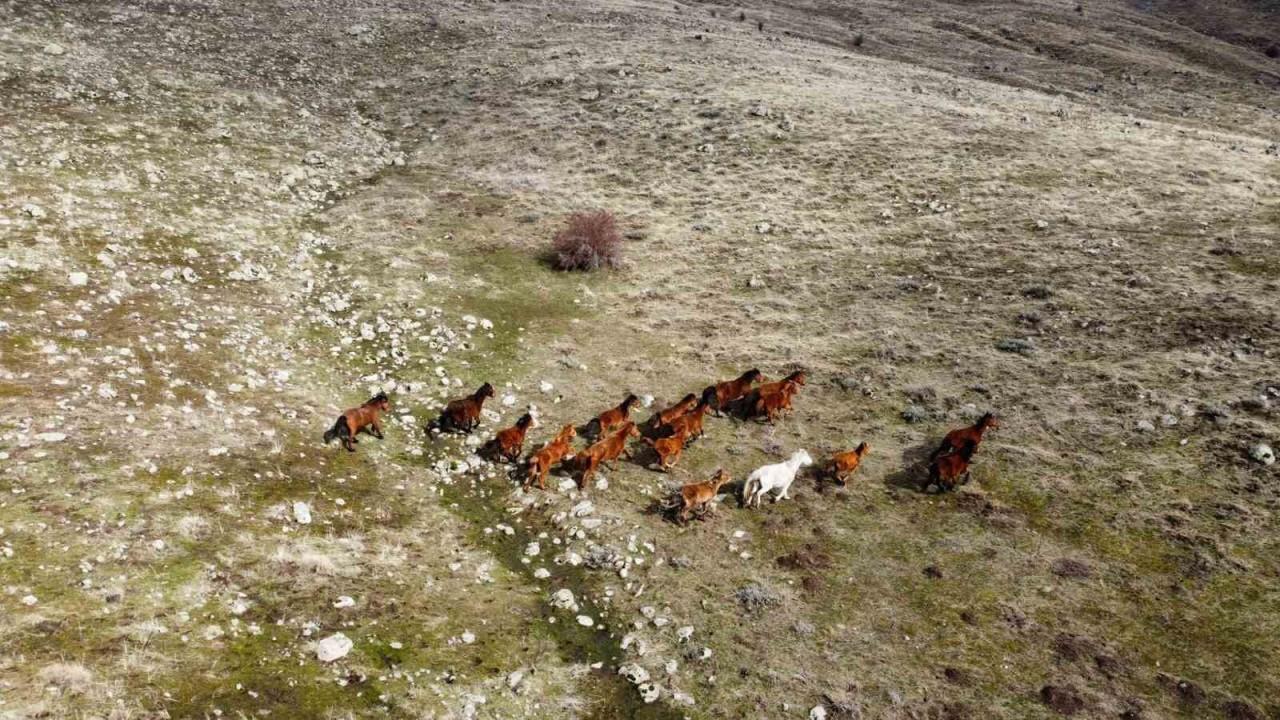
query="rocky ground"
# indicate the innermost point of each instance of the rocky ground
(223, 222)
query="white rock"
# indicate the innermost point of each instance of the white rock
(546, 387)
(646, 400)
(508, 400)
(684, 633)
(818, 713)
(564, 600)
(53, 49)
(1263, 453)
(586, 507)
(334, 647)
(586, 621)
(542, 573)
(33, 211)
(468, 637)
(302, 513)
(51, 437)
(649, 692)
(344, 601)
(29, 600)
(532, 549)
(514, 678)
(78, 279)
(634, 673)
(1145, 426)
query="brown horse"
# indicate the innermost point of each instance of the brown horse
(352, 421)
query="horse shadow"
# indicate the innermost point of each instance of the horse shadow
(913, 472)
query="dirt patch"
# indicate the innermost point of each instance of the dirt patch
(1062, 699)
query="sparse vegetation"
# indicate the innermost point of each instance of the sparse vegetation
(588, 241)
(221, 228)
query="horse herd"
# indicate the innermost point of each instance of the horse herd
(668, 432)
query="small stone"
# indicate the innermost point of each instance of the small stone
(564, 600)
(53, 49)
(764, 228)
(586, 621)
(334, 647)
(29, 600)
(532, 549)
(546, 387)
(78, 279)
(590, 95)
(32, 210)
(760, 110)
(344, 601)
(649, 692)
(1168, 420)
(51, 437)
(755, 282)
(1262, 453)
(302, 513)
(1145, 426)
(514, 678)
(634, 673)
(468, 637)
(818, 713)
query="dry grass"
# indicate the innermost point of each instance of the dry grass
(884, 194)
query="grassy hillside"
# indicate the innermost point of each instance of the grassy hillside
(220, 225)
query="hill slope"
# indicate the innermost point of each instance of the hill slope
(222, 225)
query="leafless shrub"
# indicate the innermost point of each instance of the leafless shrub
(589, 241)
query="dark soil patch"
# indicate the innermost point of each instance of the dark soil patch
(1063, 699)
(807, 557)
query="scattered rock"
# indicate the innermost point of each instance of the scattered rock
(649, 692)
(53, 49)
(564, 600)
(302, 513)
(634, 673)
(1263, 453)
(818, 712)
(78, 279)
(334, 647)
(1145, 426)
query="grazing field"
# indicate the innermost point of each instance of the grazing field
(222, 223)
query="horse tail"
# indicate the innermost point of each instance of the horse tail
(338, 430)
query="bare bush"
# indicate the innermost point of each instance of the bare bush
(589, 241)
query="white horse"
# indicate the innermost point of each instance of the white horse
(778, 476)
